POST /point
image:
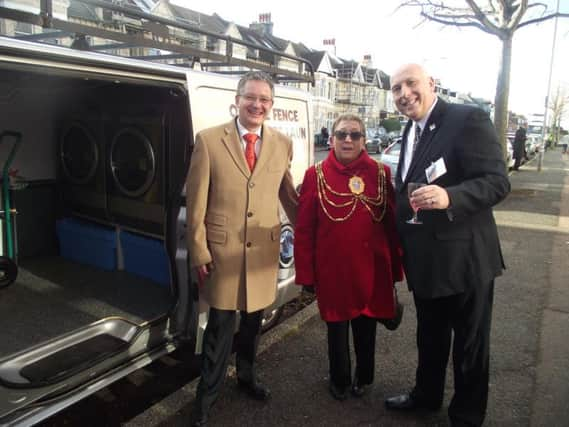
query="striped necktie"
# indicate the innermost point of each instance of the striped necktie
(417, 137)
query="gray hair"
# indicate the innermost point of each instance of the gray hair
(349, 117)
(258, 76)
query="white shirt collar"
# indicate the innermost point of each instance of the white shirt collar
(242, 130)
(425, 119)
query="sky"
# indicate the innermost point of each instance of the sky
(465, 60)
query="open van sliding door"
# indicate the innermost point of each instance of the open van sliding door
(67, 329)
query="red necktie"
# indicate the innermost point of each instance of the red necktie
(251, 139)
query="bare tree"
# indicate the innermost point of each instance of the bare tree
(501, 18)
(559, 106)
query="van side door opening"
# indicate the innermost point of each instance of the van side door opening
(100, 161)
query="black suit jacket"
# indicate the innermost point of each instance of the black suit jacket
(457, 248)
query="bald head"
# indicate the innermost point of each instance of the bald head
(413, 91)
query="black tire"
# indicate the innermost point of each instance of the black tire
(271, 318)
(8, 271)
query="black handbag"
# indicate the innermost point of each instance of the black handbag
(394, 322)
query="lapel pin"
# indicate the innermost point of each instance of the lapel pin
(432, 127)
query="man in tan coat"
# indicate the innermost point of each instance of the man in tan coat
(238, 173)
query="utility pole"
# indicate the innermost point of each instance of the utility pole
(543, 132)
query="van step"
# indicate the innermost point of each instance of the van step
(72, 359)
(58, 359)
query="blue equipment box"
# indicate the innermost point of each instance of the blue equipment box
(145, 257)
(87, 243)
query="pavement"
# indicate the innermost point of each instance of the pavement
(529, 373)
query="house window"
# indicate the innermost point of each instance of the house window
(107, 15)
(321, 89)
(23, 28)
(252, 53)
(210, 44)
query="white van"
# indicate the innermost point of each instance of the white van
(97, 182)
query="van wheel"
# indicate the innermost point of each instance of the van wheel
(271, 318)
(8, 271)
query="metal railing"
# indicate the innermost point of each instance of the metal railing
(183, 43)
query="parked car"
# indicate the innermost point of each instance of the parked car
(377, 140)
(394, 134)
(390, 157)
(373, 142)
(510, 152)
(533, 143)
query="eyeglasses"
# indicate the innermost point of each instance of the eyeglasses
(252, 99)
(342, 135)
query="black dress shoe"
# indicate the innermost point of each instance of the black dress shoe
(406, 402)
(338, 393)
(200, 420)
(359, 390)
(255, 390)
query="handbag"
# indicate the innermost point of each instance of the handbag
(394, 322)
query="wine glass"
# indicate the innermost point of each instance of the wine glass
(412, 186)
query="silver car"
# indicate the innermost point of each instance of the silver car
(376, 140)
(390, 157)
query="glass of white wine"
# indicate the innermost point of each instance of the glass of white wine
(412, 186)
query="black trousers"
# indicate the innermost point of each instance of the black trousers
(363, 332)
(217, 345)
(469, 316)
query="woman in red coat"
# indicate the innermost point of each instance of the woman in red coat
(346, 246)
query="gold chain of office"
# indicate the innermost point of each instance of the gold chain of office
(357, 187)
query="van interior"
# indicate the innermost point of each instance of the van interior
(95, 183)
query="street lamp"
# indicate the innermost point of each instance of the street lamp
(543, 131)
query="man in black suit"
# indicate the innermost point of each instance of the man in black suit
(453, 256)
(519, 147)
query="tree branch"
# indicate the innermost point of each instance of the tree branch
(543, 18)
(542, 5)
(456, 24)
(481, 17)
(512, 24)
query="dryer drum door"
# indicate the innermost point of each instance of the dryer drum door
(84, 183)
(136, 195)
(133, 162)
(79, 154)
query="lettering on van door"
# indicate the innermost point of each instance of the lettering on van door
(293, 122)
(285, 115)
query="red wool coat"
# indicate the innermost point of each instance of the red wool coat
(352, 263)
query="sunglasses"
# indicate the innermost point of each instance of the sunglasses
(342, 135)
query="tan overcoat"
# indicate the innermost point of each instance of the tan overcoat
(233, 215)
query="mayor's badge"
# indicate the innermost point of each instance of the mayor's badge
(356, 185)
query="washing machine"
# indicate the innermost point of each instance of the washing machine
(136, 178)
(82, 167)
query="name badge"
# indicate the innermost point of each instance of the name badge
(436, 170)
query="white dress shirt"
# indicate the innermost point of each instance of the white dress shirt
(243, 131)
(408, 154)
